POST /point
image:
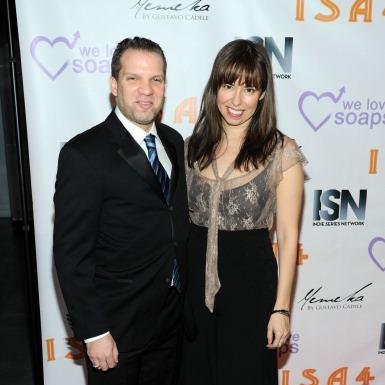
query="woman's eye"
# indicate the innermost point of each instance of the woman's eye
(250, 90)
(227, 86)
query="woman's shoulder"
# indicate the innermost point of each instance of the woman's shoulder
(290, 153)
(287, 142)
(285, 146)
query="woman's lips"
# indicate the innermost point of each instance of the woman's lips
(233, 113)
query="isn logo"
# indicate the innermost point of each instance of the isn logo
(381, 348)
(301, 256)
(360, 10)
(186, 111)
(331, 208)
(284, 59)
(341, 376)
(74, 347)
(337, 107)
(187, 10)
(373, 161)
(54, 56)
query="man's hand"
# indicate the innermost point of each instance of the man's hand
(103, 353)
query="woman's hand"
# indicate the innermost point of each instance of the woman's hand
(278, 330)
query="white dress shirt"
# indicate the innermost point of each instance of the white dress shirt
(139, 134)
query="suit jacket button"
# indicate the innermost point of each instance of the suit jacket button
(171, 208)
(175, 243)
(168, 280)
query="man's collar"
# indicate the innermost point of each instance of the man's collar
(136, 132)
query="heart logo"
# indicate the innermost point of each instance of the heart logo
(377, 258)
(323, 119)
(40, 41)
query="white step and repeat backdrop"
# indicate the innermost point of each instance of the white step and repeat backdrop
(329, 65)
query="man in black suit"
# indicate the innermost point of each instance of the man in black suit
(121, 224)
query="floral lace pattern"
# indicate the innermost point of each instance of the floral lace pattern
(242, 203)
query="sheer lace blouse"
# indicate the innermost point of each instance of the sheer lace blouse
(245, 202)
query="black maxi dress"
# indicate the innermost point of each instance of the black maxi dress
(232, 274)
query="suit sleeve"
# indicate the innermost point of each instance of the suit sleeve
(78, 201)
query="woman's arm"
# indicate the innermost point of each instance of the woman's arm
(289, 205)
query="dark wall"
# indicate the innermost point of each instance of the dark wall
(14, 159)
(21, 356)
(5, 211)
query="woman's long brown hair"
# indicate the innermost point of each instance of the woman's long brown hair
(248, 62)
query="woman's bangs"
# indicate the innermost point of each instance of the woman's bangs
(247, 72)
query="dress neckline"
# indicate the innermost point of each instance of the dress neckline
(228, 171)
(255, 171)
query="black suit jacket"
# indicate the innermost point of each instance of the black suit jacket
(115, 236)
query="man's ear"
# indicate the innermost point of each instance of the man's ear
(262, 95)
(113, 86)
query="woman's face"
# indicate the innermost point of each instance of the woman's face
(237, 104)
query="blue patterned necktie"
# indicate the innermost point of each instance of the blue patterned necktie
(159, 170)
(164, 181)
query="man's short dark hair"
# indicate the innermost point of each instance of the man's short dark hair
(138, 43)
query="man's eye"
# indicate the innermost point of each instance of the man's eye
(130, 78)
(158, 80)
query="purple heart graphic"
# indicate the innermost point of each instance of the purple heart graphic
(329, 95)
(60, 39)
(371, 254)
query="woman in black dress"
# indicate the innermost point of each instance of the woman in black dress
(242, 173)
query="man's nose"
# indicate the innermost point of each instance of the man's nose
(145, 87)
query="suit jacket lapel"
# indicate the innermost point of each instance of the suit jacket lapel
(171, 153)
(133, 154)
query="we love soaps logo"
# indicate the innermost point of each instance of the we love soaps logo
(320, 109)
(54, 56)
(376, 250)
